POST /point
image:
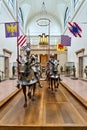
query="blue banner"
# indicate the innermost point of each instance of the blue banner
(11, 29)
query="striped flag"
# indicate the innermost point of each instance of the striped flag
(21, 40)
(75, 29)
(65, 40)
(60, 47)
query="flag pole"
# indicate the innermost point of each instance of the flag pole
(28, 38)
(17, 37)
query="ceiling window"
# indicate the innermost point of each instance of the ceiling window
(76, 3)
(0, 5)
(20, 16)
(10, 4)
(66, 17)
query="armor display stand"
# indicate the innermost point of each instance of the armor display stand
(74, 73)
(85, 71)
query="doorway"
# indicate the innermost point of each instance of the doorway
(43, 59)
(6, 67)
(80, 67)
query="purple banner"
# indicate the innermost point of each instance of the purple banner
(65, 40)
(11, 29)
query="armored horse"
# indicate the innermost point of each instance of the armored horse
(28, 77)
(53, 77)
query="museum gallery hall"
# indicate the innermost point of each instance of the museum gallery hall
(43, 64)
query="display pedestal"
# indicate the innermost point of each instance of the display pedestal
(84, 79)
(74, 78)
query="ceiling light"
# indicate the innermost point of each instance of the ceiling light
(43, 20)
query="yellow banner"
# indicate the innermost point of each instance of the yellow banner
(60, 47)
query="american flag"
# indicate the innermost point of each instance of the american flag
(24, 47)
(65, 40)
(21, 40)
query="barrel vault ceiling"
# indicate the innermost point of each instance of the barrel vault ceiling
(31, 11)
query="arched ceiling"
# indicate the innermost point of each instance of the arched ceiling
(31, 10)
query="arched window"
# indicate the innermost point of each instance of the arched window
(66, 17)
(76, 3)
(11, 3)
(20, 16)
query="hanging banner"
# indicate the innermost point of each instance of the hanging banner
(60, 47)
(65, 40)
(11, 29)
(75, 29)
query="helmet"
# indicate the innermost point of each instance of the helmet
(28, 51)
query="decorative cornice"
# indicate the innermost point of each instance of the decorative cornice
(7, 51)
(79, 51)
